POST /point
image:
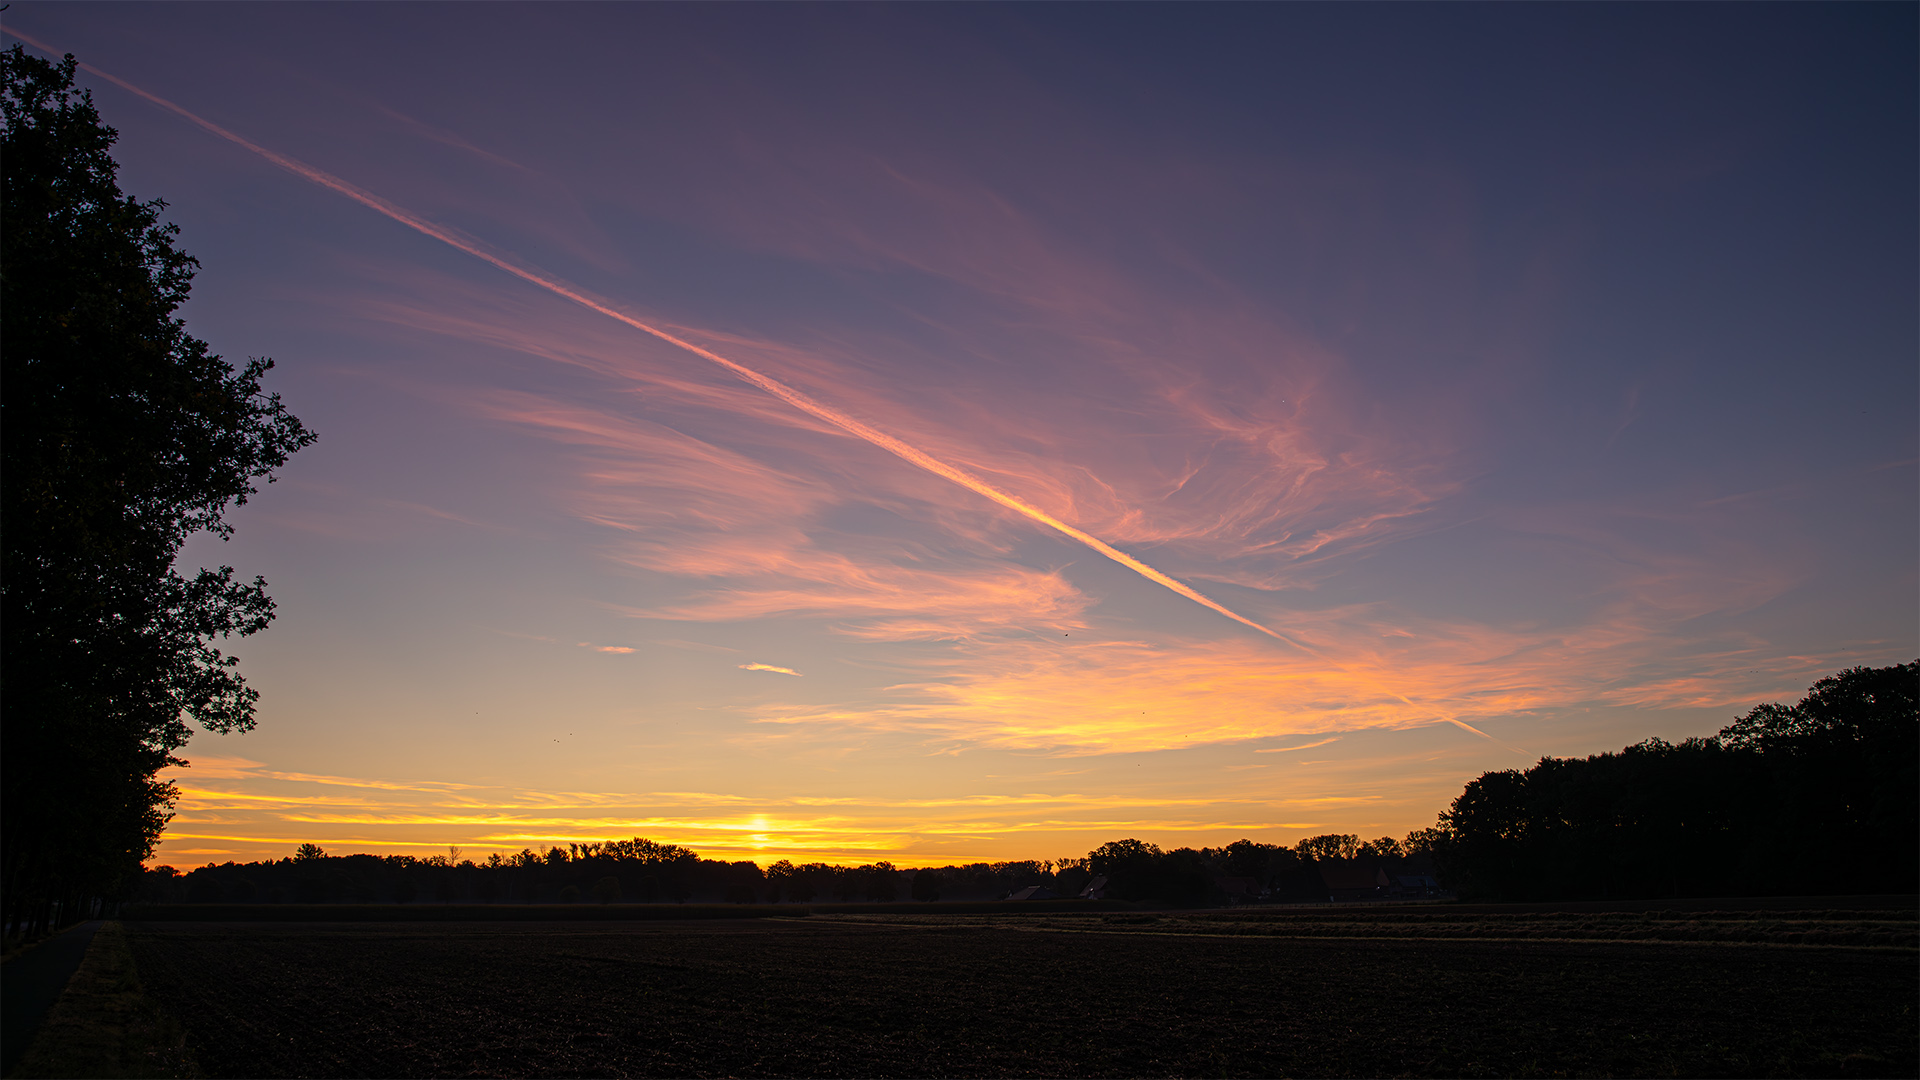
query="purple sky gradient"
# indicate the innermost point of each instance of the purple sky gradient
(1546, 372)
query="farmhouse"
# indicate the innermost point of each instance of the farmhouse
(1415, 885)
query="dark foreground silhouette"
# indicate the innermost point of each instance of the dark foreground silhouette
(124, 436)
(1378, 991)
(32, 984)
(1822, 796)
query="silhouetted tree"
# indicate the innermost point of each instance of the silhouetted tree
(779, 880)
(1817, 797)
(1128, 866)
(1247, 858)
(1329, 846)
(1119, 856)
(1489, 825)
(1140, 871)
(205, 890)
(123, 436)
(1423, 841)
(802, 883)
(1182, 879)
(1274, 868)
(926, 885)
(879, 882)
(1842, 768)
(1070, 880)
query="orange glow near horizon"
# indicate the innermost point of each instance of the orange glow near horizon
(948, 491)
(222, 823)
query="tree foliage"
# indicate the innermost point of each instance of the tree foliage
(1819, 797)
(1140, 871)
(123, 435)
(926, 885)
(1329, 846)
(1385, 847)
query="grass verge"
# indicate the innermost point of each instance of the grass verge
(105, 1026)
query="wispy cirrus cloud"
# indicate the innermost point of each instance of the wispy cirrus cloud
(239, 768)
(1302, 746)
(789, 395)
(1250, 488)
(1372, 669)
(1283, 378)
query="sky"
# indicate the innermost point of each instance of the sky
(952, 433)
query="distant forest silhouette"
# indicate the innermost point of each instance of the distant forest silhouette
(642, 871)
(1816, 798)
(1820, 797)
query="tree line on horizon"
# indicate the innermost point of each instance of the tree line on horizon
(1819, 797)
(644, 871)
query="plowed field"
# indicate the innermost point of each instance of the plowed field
(1097, 996)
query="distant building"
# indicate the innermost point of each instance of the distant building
(1034, 892)
(1415, 886)
(1096, 889)
(1415, 878)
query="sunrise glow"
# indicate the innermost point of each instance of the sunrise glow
(910, 447)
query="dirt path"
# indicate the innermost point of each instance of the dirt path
(29, 985)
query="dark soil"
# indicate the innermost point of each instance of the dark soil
(1126, 995)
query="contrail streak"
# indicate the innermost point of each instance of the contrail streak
(788, 394)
